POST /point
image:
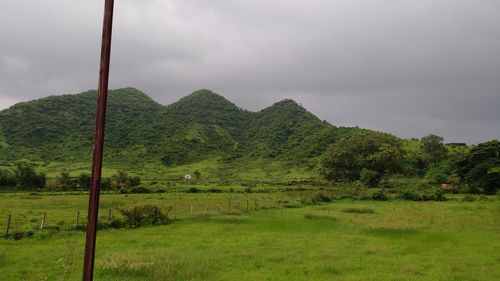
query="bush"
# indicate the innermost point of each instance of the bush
(427, 195)
(469, 198)
(144, 215)
(105, 184)
(139, 189)
(379, 196)
(193, 190)
(320, 197)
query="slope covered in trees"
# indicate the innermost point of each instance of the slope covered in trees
(200, 126)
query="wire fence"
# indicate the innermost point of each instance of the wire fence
(25, 224)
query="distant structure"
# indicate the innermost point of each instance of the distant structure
(188, 177)
(449, 186)
(456, 144)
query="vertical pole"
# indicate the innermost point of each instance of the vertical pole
(88, 264)
(175, 211)
(42, 225)
(78, 220)
(8, 227)
(109, 216)
(192, 209)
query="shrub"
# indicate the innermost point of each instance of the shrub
(193, 190)
(320, 197)
(427, 195)
(139, 189)
(144, 215)
(469, 198)
(379, 196)
(105, 184)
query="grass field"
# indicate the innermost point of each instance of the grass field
(342, 240)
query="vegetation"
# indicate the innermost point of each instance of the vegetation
(479, 168)
(366, 156)
(433, 149)
(209, 137)
(343, 240)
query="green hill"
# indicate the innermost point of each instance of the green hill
(202, 126)
(60, 128)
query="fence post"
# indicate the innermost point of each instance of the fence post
(42, 225)
(207, 210)
(109, 216)
(8, 227)
(229, 205)
(175, 211)
(77, 219)
(192, 209)
(247, 204)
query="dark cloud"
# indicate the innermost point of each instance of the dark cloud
(406, 67)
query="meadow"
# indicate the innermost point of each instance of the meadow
(340, 240)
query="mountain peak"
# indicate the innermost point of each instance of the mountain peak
(204, 99)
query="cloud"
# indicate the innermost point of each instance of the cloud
(407, 67)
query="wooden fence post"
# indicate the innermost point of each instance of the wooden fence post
(42, 225)
(77, 219)
(109, 216)
(247, 205)
(175, 211)
(8, 227)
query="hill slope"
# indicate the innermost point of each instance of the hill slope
(200, 126)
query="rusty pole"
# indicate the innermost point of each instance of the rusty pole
(88, 265)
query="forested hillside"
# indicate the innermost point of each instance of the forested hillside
(200, 126)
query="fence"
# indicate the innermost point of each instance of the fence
(18, 225)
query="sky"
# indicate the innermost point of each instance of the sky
(407, 67)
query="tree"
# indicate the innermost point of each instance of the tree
(7, 179)
(27, 177)
(120, 180)
(197, 174)
(366, 156)
(479, 167)
(64, 179)
(433, 149)
(84, 181)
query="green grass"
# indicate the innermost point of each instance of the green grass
(451, 240)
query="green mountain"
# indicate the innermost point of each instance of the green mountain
(200, 126)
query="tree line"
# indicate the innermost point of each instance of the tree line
(25, 177)
(372, 157)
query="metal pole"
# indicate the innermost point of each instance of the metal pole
(88, 264)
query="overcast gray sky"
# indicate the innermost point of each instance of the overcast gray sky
(409, 67)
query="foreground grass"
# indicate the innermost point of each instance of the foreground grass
(394, 241)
